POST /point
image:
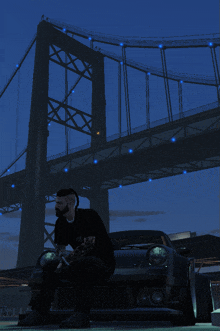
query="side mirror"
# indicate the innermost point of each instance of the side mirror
(183, 251)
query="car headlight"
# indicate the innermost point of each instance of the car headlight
(47, 257)
(157, 255)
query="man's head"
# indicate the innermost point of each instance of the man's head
(65, 203)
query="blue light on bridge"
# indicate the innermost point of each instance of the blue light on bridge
(49, 124)
(150, 180)
(148, 73)
(210, 44)
(120, 186)
(121, 62)
(173, 139)
(64, 30)
(12, 185)
(17, 65)
(121, 44)
(72, 91)
(95, 161)
(181, 81)
(90, 38)
(184, 172)
(8, 170)
(20, 209)
(161, 46)
(65, 169)
(130, 150)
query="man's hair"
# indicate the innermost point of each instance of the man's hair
(69, 195)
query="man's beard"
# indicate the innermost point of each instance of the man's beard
(60, 213)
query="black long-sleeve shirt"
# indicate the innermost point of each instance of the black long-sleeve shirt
(87, 223)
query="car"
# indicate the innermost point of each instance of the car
(152, 281)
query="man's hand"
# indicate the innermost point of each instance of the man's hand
(58, 269)
(82, 249)
(59, 265)
(89, 240)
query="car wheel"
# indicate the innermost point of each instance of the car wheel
(204, 298)
(188, 308)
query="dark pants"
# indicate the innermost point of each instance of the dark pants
(83, 274)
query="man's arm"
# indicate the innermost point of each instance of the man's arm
(60, 249)
(82, 250)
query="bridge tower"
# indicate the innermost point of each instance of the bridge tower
(32, 227)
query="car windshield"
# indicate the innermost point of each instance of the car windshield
(139, 241)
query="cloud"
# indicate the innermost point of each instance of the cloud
(140, 220)
(13, 238)
(130, 213)
(113, 213)
(4, 233)
(8, 237)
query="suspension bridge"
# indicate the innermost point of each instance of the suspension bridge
(177, 144)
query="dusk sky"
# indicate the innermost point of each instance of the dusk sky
(188, 202)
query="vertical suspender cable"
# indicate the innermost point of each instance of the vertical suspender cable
(119, 103)
(166, 83)
(71, 99)
(216, 72)
(91, 46)
(126, 91)
(66, 102)
(147, 101)
(119, 99)
(180, 100)
(17, 118)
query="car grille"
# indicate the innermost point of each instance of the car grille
(119, 297)
(115, 296)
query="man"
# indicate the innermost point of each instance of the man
(91, 262)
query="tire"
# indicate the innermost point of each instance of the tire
(188, 307)
(204, 298)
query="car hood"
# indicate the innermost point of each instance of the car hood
(133, 258)
(130, 258)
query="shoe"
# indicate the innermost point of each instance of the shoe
(77, 320)
(34, 318)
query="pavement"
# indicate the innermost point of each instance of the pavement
(115, 325)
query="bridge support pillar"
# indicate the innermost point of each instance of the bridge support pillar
(98, 197)
(31, 237)
(100, 203)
